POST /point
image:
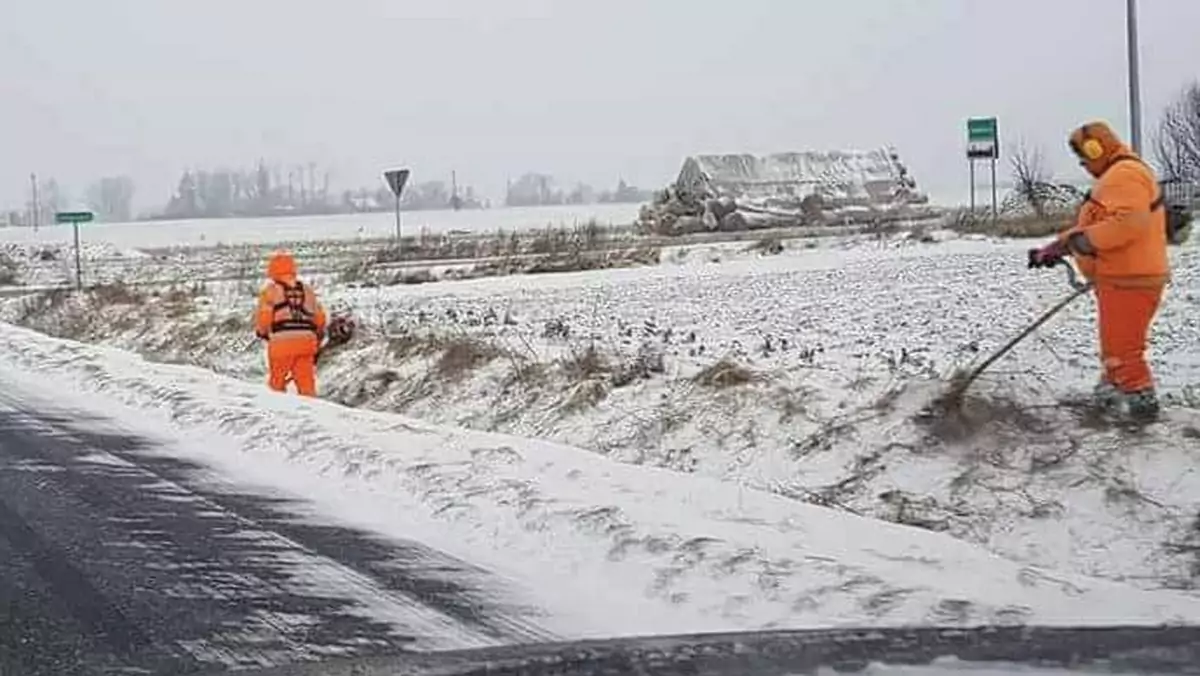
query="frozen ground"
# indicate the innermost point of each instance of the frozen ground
(796, 374)
(164, 253)
(608, 549)
(210, 232)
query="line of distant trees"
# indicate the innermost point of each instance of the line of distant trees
(264, 190)
(534, 189)
(111, 198)
(259, 191)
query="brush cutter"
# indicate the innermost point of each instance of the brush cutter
(341, 330)
(1078, 288)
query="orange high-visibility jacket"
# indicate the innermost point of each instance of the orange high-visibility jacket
(1125, 222)
(290, 317)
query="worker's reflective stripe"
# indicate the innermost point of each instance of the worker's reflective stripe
(291, 325)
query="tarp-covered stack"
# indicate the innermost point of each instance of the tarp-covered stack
(737, 192)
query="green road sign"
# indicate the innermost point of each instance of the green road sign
(74, 217)
(983, 138)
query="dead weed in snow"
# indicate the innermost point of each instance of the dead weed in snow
(768, 246)
(115, 293)
(10, 272)
(1014, 226)
(586, 364)
(461, 355)
(725, 373)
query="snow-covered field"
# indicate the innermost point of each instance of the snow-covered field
(795, 376)
(210, 232)
(606, 549)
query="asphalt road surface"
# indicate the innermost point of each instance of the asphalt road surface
(117, 558)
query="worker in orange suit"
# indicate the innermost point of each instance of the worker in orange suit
(1119, 242)
(292, 322)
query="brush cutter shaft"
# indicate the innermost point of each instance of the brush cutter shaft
(1078, 289)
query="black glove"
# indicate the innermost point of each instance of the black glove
(1047, 256)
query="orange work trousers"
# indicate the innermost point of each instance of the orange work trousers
(1125, 316)
(292, 360)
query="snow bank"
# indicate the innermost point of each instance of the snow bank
(838, 345)
(717, 554)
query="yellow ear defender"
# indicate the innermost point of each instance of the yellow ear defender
(1089, 148)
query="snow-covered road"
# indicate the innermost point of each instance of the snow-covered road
(115, 553)
(560, 541)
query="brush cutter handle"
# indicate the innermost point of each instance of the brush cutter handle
(1073, 276)
(1048, 258)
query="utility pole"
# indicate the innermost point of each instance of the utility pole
(1135, 102)
(35, 211)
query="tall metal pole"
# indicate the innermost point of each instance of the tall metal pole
(36, 211)
(1135, 102)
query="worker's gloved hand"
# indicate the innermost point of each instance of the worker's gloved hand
(1048, 256)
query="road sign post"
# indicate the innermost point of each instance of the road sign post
(75, 218)
(983, 143)
(396, 178)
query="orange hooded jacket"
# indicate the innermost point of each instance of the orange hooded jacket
(289, 331)
(1128, 235)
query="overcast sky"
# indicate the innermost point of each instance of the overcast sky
(583, 89)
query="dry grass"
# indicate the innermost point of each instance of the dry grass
(457, 355)
(504, 257)
(585, 394)
(9, 271)
(589, 236)
(525, 374)
(180, 301)
(462, 355)
(115, 293)
(41, 305)
(1018, 227)
(409, 344)
(590, 375)
(768, 246)
(234, 324)
(725, 373)
(409, 277)
(587, 364)
(67, 314)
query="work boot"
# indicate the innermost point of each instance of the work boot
(1143, 406)
(1106, 396)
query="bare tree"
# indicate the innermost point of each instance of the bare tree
(112, 198)
(1177, 144)
(1031, 178)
